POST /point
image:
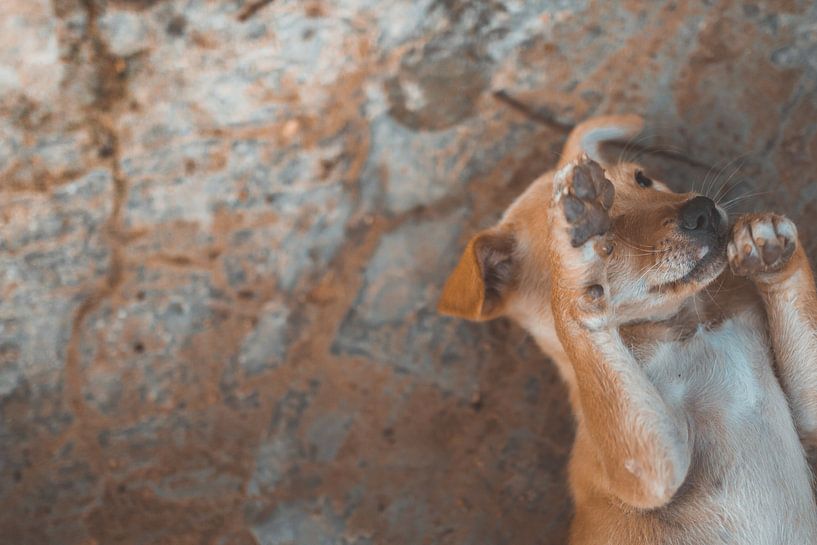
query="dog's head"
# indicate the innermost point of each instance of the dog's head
(668, 246)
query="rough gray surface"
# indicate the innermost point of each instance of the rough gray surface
(224, 230)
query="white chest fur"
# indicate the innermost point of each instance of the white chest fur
(721, 373)
(748, 466)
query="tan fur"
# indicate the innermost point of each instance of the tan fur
(691, 363)
(464, 292)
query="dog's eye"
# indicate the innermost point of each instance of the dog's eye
(642, 179)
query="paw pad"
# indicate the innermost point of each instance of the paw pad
(585, 196)
(595, 292)
(761, 244)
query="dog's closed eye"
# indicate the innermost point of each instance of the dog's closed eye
(642, 179)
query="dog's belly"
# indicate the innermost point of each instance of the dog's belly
(749, 481)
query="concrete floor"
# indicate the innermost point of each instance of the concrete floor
(225, 226)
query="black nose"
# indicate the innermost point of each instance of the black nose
(699, 215)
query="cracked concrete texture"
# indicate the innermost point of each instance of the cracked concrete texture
(224, 230)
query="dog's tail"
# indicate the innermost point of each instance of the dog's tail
(588, 135)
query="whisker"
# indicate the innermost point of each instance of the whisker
(715, 182)
(647, 271)
(656, 150)
(640, 247)
(706, 179)
(728, 191)
(648, 249)
(732, 202)
(695, 305)
(711, 182)
(726, 182)
(712, 299)
(633, 141)
(703, 184)
(720, 286)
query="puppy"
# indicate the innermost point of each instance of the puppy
(689, 348)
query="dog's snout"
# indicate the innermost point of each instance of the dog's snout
(699, 215)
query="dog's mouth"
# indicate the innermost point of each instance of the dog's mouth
(710, 262)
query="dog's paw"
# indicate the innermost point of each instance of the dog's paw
(585, 197)
(761, 244)
(581, 234)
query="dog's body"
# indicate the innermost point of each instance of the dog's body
(747, 481)
(694, 387)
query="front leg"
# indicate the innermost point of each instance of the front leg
(765, 248)
(642, 444)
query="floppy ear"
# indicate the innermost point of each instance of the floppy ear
(481, 281)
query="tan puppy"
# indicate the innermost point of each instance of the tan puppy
(693, 383)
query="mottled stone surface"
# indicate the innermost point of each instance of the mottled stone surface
(225, 225)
